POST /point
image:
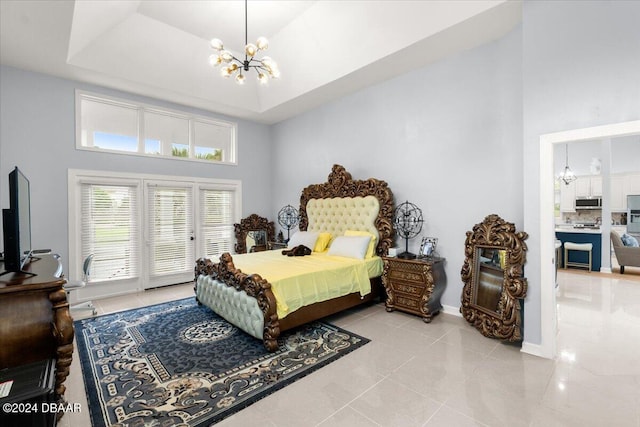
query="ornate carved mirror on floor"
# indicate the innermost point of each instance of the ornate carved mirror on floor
(253, 234)
(492, 274)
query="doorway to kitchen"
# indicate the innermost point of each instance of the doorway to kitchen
(592, 201)
(548, 315)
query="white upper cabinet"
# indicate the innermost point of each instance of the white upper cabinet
(632, 184)
(618, 196)
(596, 186)
(622, 186)
(568, 197)
(589, 186)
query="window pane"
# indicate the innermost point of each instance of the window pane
(110, 141)
(151, 146)
(128, 127)
(170, 222)
(170, 131)
(109, 230)
(213, 141)
(108, 126)
(216, 228)
(180, 150)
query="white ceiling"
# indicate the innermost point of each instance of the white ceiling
(325, 49)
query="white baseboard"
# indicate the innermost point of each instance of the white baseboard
(96, 291)
(449, 309)
(605, 270)
(534, 350)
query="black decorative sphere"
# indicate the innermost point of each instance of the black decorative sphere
(288, 217)
(407, 220)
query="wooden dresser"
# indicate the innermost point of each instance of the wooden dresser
(414, 286)
(34, 318)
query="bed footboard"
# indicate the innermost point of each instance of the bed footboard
(245, 300)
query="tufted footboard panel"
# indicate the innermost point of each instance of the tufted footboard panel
(234, 305)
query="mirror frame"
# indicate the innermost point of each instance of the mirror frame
(496, 233)
(253, 222)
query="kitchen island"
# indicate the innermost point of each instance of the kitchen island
(574, 234)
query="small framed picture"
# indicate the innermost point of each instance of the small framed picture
(428, 246)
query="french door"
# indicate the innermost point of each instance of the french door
(147, 231)
(170, 234)
(185, 221)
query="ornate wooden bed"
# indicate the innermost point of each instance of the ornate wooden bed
(253, 290)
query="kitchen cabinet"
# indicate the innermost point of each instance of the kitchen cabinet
(632, 184)
(568, 197)
(618, 194)
(596, 186)
(588, 186)
(622, 185)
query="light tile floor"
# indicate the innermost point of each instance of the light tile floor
(447, 374)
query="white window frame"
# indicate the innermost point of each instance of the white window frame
(123, 286)
(141, 108)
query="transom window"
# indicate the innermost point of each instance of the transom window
(114, 125)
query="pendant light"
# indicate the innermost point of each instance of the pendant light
(567, 175)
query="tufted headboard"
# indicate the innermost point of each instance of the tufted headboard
(343, 203)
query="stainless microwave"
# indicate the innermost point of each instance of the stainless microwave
(589, 203)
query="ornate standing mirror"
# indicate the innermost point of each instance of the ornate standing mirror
(253, 234)
(492, 274)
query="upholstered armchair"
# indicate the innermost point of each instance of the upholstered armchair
(626, 255)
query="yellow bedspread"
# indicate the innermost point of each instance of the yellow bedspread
(300, 281)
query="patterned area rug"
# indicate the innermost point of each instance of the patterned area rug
(179, 364)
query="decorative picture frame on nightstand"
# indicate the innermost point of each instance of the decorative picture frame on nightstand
(428, 247)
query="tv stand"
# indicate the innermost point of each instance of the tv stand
(34, 319)
(28, 273)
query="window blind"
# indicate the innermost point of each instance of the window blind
(216, 224)
(170, 234)
(110, 230)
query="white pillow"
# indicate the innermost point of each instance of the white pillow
(306, 238)
(350, 246)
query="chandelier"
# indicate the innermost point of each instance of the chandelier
(264, 67)
(567, 175)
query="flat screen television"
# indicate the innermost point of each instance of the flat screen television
(16, 223)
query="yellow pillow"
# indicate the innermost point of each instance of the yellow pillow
(323, 242)
(371, 249)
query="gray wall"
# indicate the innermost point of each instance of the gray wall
(37, 134)
(446, 137)
(581, 67)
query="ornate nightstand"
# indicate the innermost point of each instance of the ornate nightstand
(414, 286)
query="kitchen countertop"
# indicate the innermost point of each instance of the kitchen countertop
(572, 229)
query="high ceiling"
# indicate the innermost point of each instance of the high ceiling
(325, 49)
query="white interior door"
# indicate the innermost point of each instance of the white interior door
(170, 239)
